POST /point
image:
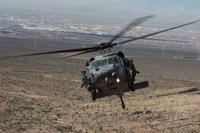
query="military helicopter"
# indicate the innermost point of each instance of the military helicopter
(109, 73)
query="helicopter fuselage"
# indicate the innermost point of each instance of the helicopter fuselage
(109, 74)
(109, 78)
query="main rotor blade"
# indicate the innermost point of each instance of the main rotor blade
(134, 23)
(159, 39)
(79, 53)
(52, 52)
(164, 40)
(155, 33)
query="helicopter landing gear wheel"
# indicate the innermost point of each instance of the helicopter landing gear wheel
(94, 94)
(132, 87)
(134, 72)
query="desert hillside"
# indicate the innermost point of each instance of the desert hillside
(43, 94)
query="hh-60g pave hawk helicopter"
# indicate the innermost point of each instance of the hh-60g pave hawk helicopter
(109, 73)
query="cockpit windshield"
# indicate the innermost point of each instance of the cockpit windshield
(95, 64)
(106, 61)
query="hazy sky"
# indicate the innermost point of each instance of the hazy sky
(174, 10)
(142, 5)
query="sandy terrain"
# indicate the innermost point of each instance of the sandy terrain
(43, 94)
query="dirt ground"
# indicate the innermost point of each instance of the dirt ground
(43, 94)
